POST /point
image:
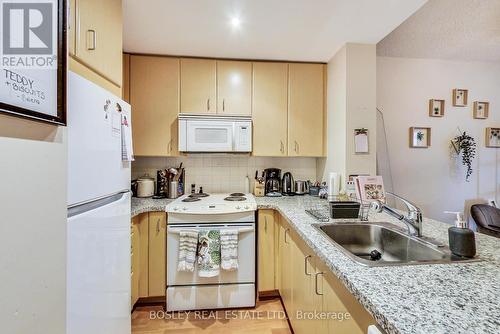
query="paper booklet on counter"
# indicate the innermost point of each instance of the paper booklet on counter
(369, 188)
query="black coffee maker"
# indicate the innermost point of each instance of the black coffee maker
(273, 182)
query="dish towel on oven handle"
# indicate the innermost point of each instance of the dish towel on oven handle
(229, 249)
(188, 241)
(208, 253)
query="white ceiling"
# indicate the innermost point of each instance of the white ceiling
(301, 30)
(448, 29)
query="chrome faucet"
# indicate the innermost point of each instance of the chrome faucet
(413, 220)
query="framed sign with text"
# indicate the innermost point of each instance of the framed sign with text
(33, 59)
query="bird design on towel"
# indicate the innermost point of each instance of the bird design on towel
(209, 253)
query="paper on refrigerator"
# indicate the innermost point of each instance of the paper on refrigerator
(126, 126)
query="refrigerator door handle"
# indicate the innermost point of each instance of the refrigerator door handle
(89, 206)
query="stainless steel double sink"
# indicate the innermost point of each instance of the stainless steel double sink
(383, 244)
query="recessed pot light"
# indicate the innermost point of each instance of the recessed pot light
(235, 22)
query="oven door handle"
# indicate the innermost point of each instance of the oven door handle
(176, 230)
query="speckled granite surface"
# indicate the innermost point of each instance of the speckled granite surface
(141, 205)
(441, 298)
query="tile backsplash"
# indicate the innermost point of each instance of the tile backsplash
(224, 173)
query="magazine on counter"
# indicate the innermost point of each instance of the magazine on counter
(370, 188)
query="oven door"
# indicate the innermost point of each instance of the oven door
(246, 256)
(209, 136)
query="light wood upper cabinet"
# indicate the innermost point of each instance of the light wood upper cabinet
(198, 86)
(154, 96)
(234, 87)
(126, 78)
(157, 253)
(305, 109)
(71, 27)
(98, 37)
(269, 109)
(265, 251)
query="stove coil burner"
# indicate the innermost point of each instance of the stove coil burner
(235, 198)
(191, 199)
(237, 195)
(196, 195)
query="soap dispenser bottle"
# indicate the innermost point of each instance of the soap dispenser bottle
(462, 239)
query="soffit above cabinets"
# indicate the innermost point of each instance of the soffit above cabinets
(294, 30)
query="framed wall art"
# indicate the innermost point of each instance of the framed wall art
(436, 108)
(33, 60)
(420, 137)
(492, 137)
(460, 97)
(481, 110)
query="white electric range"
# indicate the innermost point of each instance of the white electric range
(230, 289)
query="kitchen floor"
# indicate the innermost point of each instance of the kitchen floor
(267, 317)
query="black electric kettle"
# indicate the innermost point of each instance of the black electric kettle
(287, 184)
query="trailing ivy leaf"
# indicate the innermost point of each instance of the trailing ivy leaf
(467, 148)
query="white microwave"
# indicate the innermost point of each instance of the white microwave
(215, 134)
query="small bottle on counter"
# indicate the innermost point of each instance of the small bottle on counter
(462, 239)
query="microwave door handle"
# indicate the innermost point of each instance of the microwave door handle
(233, 138)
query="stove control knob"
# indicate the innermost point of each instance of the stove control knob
(176, 209)
(247, 207)
(238, 207)
(184, 208)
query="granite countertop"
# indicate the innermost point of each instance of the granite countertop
(141, 205)
(438, 298)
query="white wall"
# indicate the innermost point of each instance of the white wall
(430, 177)
(225, 173)
(33, 227)
(361, 105)
(351, 104)
(336, 107)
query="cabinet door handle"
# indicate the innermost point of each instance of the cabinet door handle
(305, 265)
(282, 149)
(158, 226)
(208, 104)
(223, 104)
(265, 224)
(169, 147)
(295, 146)
(285, 235)
(316, 284)
(91, 39)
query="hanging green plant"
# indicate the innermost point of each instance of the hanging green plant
(465, 145)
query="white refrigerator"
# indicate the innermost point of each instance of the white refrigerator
(98, 237)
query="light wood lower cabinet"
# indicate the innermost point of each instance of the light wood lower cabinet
(134, 254)
(338, 301)
(265, 269)
(286, 266)
(308, 289)
(157, 253)
(148, 254)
